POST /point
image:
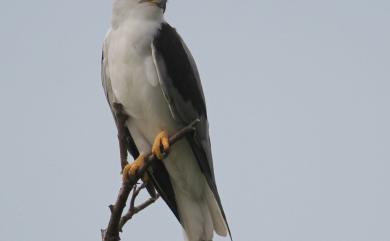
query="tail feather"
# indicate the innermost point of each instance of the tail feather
(219, 223)
(200, 218)
(195, 218)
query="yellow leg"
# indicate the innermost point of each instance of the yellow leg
(161, 140)
(132, 168)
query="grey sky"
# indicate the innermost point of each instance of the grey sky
(298, 101)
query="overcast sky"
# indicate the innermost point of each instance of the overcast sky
(298, 100)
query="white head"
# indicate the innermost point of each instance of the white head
(145, 9)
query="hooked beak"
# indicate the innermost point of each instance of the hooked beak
(159, 3)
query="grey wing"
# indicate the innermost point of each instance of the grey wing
(116, 108)
(106, 82)
(180, 83)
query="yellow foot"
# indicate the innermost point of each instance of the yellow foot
(132, 168)
(161, 140)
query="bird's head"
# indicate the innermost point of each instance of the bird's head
(158, 3)
(139, 3)
(143, 9)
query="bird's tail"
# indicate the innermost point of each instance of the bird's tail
(200, 218)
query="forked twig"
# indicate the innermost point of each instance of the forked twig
(136, 209)
(129, 215)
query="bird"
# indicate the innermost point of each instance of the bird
(153, 88)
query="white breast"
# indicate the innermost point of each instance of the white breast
(131, 67)
(134, 78)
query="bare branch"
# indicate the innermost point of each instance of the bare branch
(134, 210)
(136, 191)
(111, 233)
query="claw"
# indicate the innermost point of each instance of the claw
(161, 140)
(132, 168)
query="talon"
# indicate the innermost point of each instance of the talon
(132, 168)
(161, 140)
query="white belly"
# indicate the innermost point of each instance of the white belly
(134, 79)
(135, 85)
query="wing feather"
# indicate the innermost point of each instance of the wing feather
(181, 85)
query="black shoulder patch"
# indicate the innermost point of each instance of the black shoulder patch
(169, 45)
